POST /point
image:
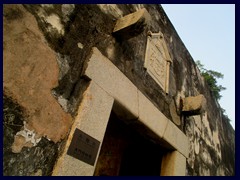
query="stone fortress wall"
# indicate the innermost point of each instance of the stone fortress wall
(47, 51)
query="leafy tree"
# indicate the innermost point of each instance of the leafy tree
(211, 77)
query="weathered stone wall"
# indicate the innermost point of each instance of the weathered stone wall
(45, 53)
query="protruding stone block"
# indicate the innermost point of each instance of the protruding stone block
(194, 105)
(132, 24)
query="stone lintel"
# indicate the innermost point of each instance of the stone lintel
(127, 98)
(151, 117)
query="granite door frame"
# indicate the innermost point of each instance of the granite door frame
(109, 90)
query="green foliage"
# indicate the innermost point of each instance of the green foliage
(211, 77)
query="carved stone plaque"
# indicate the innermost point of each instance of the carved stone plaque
(157, 59)
(83, 147)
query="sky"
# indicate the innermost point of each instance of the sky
(208, 32)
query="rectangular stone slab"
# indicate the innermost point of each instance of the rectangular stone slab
(131, 19)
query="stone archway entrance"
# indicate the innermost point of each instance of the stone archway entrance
(110, 90)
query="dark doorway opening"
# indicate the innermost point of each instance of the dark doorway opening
(125, 152)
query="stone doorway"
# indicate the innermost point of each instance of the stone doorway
(110, 90)
(125, 152)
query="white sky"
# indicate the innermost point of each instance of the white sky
(208, 32)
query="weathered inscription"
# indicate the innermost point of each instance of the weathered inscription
(156, 65)
(83, 147)
(157, 60)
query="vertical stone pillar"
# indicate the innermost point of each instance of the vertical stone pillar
(92, 119)
(173, 164)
